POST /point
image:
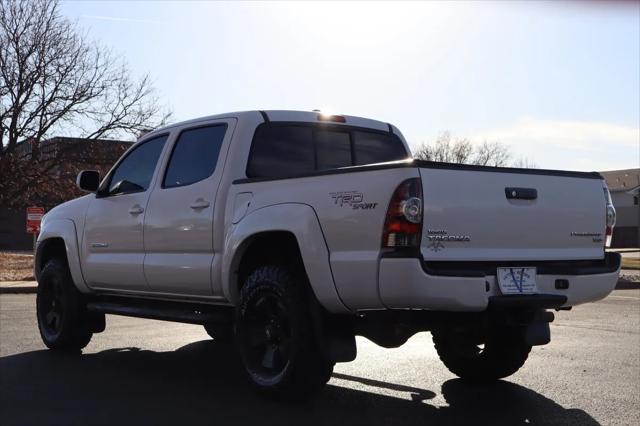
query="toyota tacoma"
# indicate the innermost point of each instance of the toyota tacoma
(289, 233)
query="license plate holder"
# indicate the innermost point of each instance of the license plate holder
(517, 280)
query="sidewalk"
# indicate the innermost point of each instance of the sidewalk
(628, 253)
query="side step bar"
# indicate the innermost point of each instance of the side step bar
(190, 313)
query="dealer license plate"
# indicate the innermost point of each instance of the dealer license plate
(517, 280)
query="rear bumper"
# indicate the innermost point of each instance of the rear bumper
(405, 284)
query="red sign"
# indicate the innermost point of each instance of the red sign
(34, 216)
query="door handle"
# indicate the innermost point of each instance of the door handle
(136, 209)
(521, 193)
(200, 204)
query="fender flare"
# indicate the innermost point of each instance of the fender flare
(301, 221)
(64, 229)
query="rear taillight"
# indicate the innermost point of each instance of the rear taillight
(610, 215)
(403, 224)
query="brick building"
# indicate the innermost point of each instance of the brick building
(624, 186)
(78, 154)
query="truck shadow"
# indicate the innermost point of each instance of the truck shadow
(203, 383)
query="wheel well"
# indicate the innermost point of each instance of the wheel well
(50, 249)
(276, 247)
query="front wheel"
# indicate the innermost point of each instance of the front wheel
(275, 334)
(481, 358)
(62, 318)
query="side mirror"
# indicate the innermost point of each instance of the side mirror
(88, 180)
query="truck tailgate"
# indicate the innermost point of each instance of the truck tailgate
(501, 214)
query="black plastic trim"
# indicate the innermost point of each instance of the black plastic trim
(265, 117)
(610, 263)
(515, 170)
(532, 301)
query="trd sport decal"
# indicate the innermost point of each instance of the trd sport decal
(353, 199)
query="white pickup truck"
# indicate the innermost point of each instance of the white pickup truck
(292, 232)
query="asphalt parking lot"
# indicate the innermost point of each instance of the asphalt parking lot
(151, 372)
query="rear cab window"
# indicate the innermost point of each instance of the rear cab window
(278, 150)
(281, 150)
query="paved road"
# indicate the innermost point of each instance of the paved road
(150, 372)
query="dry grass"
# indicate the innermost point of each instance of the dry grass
(630, 263)
(16, 267)
(19, 267)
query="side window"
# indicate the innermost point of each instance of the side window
(194, 155)
(372, 148)
(281, 151)
(333, 149)
(134, 173)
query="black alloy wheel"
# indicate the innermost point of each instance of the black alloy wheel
(275, 334)
(474, 357)
(51, 304)
(267, 336)
(63, 320)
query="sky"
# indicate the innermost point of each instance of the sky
(559, 83)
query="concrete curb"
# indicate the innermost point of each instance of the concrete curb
(18, 287)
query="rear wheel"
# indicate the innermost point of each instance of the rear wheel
(220, 333)
(61, 311)
(275, 334)
(475, 357)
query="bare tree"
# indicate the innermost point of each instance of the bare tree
(53, 80)
(447, 150)
(492, 154)
(461, 151)
(525, 163)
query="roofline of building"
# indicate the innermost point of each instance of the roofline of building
(63, 138)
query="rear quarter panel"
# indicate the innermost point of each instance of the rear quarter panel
(351, 209)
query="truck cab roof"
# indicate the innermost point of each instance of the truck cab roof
(290, 116)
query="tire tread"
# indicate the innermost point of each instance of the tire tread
(76, 333)
(310, 371)
(502, 357)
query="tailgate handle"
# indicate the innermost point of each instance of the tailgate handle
(521, 193)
